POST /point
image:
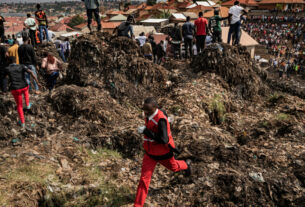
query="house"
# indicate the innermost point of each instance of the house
(111, 13)
(192, 15)
(118, 18)
(207, 3)
(182, 6)
(61, 28)
(223, 12)
(131, 12)
(199, 8)
(157, 23)
(138, 29)
(109, 26)
(177, 17)
(281, 4)
(159, 36)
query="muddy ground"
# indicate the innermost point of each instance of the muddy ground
(243, 129)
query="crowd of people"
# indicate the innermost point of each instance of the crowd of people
(285, 40)
(193, 36)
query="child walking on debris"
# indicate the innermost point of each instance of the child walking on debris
(19, 86)
(159, 147)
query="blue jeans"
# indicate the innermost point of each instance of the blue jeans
(28, 77)
(234, 30)
(51, 80)
(41, 29)
(62, 55)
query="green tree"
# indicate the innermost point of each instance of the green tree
(151, 2)
(76, 20)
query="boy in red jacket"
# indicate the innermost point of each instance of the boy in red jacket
(159, 147)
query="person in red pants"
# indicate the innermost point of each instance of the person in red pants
(18, 85)
(159, 147)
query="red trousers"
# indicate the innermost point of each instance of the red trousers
(18, 98)
(148, 167)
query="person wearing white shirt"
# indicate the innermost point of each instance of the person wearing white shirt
(235, 14)
(142, 39)
(30, 24)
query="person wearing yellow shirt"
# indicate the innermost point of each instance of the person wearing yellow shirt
(13, 51)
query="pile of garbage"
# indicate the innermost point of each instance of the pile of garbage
(234, 65)
(115, 64)
(81, 147)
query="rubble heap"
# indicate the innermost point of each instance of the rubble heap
(234, 65)
(80, 146)
(115, 64)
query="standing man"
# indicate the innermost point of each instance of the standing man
(235, 14)
(93, 6)
(176, 40)
(215, 26)
(13, 51)
(188, 29)
(30, 24)
(27, 57)
(159, 147)
(2, 30)
(201, 26)
(42, 19)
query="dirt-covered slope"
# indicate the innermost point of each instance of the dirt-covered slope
(80, 146)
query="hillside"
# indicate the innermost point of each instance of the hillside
(81, 147)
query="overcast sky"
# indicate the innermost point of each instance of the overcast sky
(31, 1)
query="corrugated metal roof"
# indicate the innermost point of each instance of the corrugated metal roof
(178, 16)
(154, 20)
(202, 3)
(193, 15)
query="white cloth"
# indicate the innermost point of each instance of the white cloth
(142, 40)
(236, 13)
(141, 129)
(51, 35)
(30, 22)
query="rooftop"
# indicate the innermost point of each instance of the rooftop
(202, 3)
